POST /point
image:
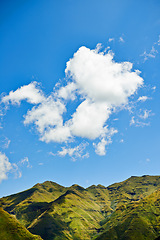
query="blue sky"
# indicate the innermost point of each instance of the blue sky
(79, 84)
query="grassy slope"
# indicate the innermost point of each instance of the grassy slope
(133, 189)
(56, 212)
(28, 205)
(11, 229)
(74, 214)
(139, 220)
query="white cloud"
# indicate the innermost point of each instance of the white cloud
(100, 148)
(31, 93)
(89, 119)
(67, 92)
(58, 134)
(46, 115)
(143, 98)
(101, 79)
(104, 84)
(99, 84)
(5, 166)
(76, 152)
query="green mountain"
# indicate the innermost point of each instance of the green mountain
(11, 229)
(125, 210)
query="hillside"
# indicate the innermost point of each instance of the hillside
(139, 220)
(11, 229)
(97, 212)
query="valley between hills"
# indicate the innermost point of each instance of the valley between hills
(129, 210)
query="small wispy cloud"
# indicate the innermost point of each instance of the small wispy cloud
(146, 114)
(137, 123)
(52, 154)
(7, 143)
(17, 167)
(40, 164)
(151, 54)
(75, 152)
(16, 170)
(4, 142)
(158, 42)
(154, 88)
(141, 119)
(111, 40)
(121, 39)
(132, 121)
(25, 161)
(143, 98)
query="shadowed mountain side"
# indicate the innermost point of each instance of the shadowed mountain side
(11, 229)
(50, 227)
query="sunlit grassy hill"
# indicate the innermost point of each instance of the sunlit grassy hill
(11, 229)
(98, 212)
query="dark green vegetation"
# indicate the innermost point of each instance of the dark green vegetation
(128, 210)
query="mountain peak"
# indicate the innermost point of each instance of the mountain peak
(77, 187)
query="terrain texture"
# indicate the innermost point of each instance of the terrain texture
(129, 210)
